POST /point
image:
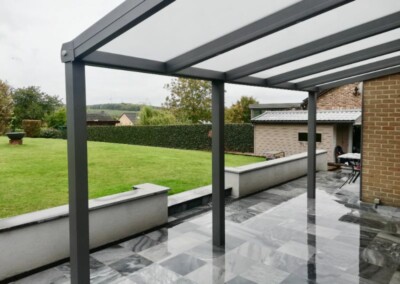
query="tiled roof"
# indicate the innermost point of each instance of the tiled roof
(101, 116)
(301, 116)
(131, 115)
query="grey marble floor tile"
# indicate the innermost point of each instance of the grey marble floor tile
(130, 264)
(112, 254)
(163, 234)
(185, 227)
(209, 274)
(183, 264)
(372, 272)
(395, 278)
(154, 273)
(319, 273)
(262, 206)
(139, 243)
(242, 215)
(254, 251)
(52, 276)
(106, 275)
(240, 280)
(234, 263)
(296, 279)
(184, 280)
(157, 253)
(285, 262)
(299, 250)
(206, 251)
(264, 274)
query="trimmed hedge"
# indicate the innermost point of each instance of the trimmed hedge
(238, 137)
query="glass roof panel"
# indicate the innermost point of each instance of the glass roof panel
(336, 20)
(323, 56)
(187, 24)
(376, 59)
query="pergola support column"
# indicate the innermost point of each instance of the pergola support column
(77, 172)
(218, 164)
(312, 135)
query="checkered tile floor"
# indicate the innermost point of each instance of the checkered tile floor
(275, 236)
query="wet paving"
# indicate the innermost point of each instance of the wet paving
(275, 236)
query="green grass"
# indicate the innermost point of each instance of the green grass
(34, 175)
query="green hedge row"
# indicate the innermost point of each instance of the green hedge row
(238, 137)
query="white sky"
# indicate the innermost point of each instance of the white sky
(31, 34)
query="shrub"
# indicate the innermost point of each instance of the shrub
(238, 137)
(50, 133)
(31, 127)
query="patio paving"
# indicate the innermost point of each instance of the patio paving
(275, 236)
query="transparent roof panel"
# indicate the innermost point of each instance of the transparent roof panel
(330, 54)
(364, 62)
(336, 20)
(187, 24)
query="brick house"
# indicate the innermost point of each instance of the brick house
(272, 135)
(380, 177)
(286, 131)
(128, 119)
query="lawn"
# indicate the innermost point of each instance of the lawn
(34, 175)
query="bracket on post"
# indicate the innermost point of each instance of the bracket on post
(67, 52)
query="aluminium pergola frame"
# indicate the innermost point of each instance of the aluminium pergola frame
(83, 50)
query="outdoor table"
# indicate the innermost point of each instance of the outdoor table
(356, 158)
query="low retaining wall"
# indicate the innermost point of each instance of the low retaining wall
(39, 238)
(252, 178)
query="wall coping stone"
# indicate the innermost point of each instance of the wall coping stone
(141, 191)
(270, 163)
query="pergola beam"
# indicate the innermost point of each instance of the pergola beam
(336, 62)
(128, 63)
(350, 35)
(115, 23)
(284, 18)
(371, 67)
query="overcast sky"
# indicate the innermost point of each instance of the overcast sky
(31, 34)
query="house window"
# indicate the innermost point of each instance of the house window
(303, 136)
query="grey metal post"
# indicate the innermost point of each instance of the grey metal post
(77, 172)
(218, 164)
(312, 129)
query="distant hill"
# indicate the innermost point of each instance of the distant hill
(114, 110)
(120, 106)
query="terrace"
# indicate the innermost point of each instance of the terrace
(274, 236)
(291, 234)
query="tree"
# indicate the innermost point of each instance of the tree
(32, 103)
(151, 116)
(6, 106)
(190, 100)
(57, 119)
(239, 112)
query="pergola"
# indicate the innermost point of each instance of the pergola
(306, 45)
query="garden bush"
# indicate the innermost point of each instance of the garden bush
(31, 127)
(50, 133)
(238, 137)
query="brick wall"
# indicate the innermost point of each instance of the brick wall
(340, 98)
(284, 137)
(381, 140)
